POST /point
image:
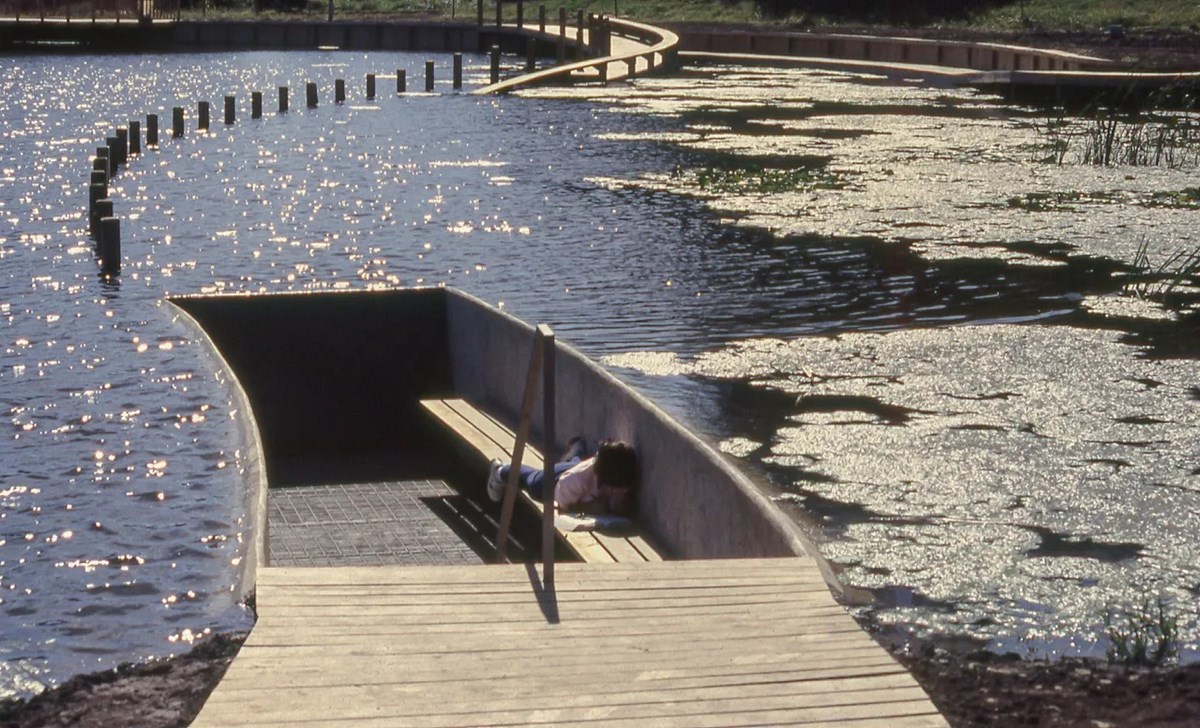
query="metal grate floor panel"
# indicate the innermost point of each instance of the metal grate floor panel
(364, 524)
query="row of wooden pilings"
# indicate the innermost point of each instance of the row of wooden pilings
(599, 28)
(105, 227)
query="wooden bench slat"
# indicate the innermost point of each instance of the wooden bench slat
(492, 439)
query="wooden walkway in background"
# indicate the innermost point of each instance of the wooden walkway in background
(695, 643)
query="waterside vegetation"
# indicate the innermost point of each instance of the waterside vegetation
(976, 15)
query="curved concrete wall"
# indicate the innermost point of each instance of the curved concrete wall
(692, 500)
(253, 466)
(335, 380)
(916, 51)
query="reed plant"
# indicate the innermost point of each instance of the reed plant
(1180, 270)
(1144, 636)
(1161, 129)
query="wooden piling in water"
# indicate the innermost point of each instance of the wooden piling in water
(428, 76)
(100, 164)
(457, 70)
(230, 109)
(202, 116)
(102, 153)
(401, 80)
(177, 121)
(578, 33)
(98, 178)
(96, 191)
(110, 245)
(310, 92)
(630, 66)
(530, 55)
(135, 137)
(256, 105)
(122, 147)
(339, 91)
(283, 99)
(103, 209)
(111, 143)
(495, 64)
(562, 36)
(370, 86)
(152, 130)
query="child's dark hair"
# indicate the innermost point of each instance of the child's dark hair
(616, 464)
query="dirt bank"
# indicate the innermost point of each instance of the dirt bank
(162, 694)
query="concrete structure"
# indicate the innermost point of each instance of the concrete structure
(336, 376)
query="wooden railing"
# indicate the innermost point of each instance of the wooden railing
(90, 10)
(541, 360)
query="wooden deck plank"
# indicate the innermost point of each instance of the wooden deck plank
(719, 643)
(657, 669)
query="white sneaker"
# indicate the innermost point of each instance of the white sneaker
(495, 484)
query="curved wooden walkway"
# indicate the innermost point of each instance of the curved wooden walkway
(695, 643)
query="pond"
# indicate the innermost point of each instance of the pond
(826, 273)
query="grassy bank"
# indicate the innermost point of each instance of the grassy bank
(1017, 16)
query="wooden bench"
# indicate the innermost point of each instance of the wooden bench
(492, 439)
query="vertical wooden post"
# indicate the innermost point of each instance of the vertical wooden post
(283, 99)
(202, 113)
(104, 208)
(100, 162)
(578, 33)
(457, 70)
(631, 66)
(96, 191)
(499, 13)
(370, 86)
(401, 80)
(530, 54)
(256, 105)
(111, 143)
(562, 36)
(339, 90)
(122, 147)
(512, 485)
(98, 178)
(110, 245)
(495, 64)
(548, 459)
(177, 121)
(311, 93)
(428, 76)
(603, 69)
(541, 18)
(520, 14)
(152, 130)
(135, 137)
(479, 12)
(230, 109)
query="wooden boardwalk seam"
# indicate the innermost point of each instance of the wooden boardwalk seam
(678, 643)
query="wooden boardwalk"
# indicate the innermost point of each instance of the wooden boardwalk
(678, 643)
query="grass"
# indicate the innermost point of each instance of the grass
(1145, 636)
(1089, 15)
(1046, 15)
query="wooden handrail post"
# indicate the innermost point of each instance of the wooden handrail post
(548, 396)
(512, 485)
